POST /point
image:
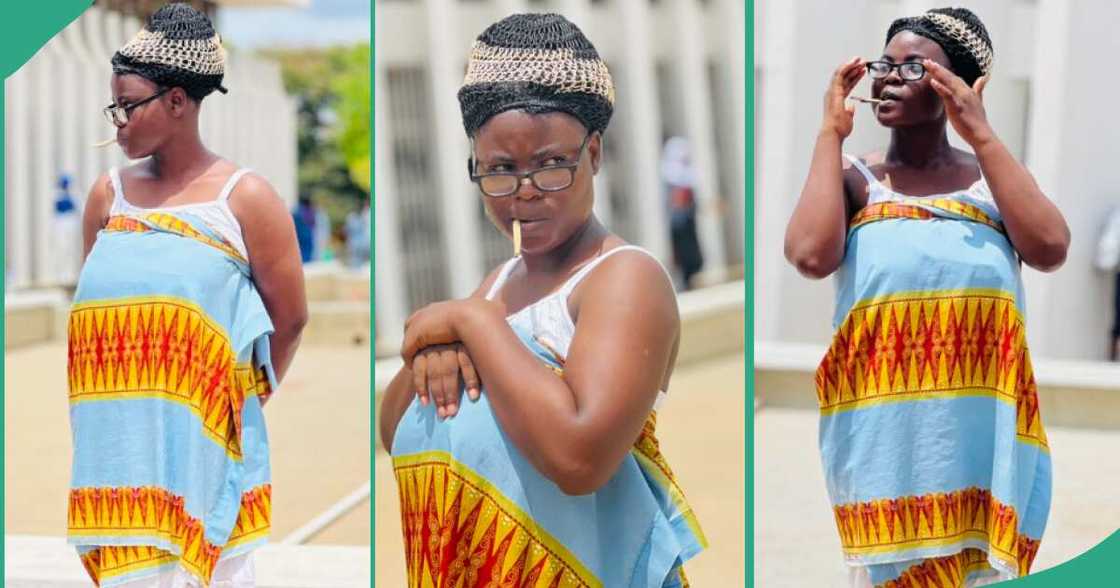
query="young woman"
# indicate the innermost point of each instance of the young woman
(550, 474)
(187, 314)
(933, 448)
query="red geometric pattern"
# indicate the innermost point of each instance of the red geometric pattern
(458, 531)
(166, 348)
(916, 346)
(892, 210)
(171, 224)
(942, 572)
(147, 512)
(934, 520)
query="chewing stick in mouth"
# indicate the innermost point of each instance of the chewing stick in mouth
(865, 100)
(105, 143)
(516, 238)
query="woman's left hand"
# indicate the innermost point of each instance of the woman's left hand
(964, 105)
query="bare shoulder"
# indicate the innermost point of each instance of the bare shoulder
(633, 278)
(856, 186)
(101, 194)
(254, 196)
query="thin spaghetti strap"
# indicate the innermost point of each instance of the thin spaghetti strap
(118, 187)
(501, 279)
(574, 281)
(863, 169)
(228, 188)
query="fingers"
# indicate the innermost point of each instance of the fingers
(979, 85)
(449, 381)
(941, 89)
(420, 378)
(945, 76)
(470, 376)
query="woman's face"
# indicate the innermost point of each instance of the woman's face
(516, 141)
(148, 124)
(908, 103)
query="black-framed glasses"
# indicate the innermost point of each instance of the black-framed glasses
(118, 115)
(910, 71)
(552, 178)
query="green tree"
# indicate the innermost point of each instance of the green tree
(332, 89)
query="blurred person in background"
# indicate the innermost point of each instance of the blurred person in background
(66, 235)
(564, 352)
(358, 232)
(187, 314)
(931, 435)
(679, 176)
(308, 224)
(1108, 260)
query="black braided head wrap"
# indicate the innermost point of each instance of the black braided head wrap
(177, 48)
(960, 34)
(537, 63)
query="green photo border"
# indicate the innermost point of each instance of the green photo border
(29, 25)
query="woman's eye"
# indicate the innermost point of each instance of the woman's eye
(553, 161)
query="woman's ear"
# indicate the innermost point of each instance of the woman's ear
(595, 151)
(178, 102)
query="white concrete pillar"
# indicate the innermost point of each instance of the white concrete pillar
(692, 71)
(389, 278)
(447, 54)
(732, 13)
(17, 173)
(643, 117)
(45, 144)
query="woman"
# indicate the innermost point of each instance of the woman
(187, 314)
(550, 475)
(934, 452)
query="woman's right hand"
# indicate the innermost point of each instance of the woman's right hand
(839, 114)
(440, 373)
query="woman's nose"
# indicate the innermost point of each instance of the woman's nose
(529, 193)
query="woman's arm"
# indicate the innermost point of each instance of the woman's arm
(439, 367)
(817, 230)
(98, 204)
(270, 238)
(1035, 226)
(576, 428)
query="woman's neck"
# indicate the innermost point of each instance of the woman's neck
(181, 156)
(921, 146)
(584, 243)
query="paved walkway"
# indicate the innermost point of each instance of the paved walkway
(796, 544)
(702, 435)
(318, 427)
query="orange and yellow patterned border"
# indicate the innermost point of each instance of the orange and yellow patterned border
(893, 210)
(917, 346)
(161, 347)
(935, 520)
(647, 451)
(460, 530)
(942, 572)
(171, 224)
(151, 512)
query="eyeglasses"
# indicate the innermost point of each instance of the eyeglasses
(119, 115)
(910, 71)
(552, 178)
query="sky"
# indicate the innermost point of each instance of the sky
(321, 23)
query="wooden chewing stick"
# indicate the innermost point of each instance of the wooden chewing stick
(105, 143)
(516, 238)
(866, 100)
